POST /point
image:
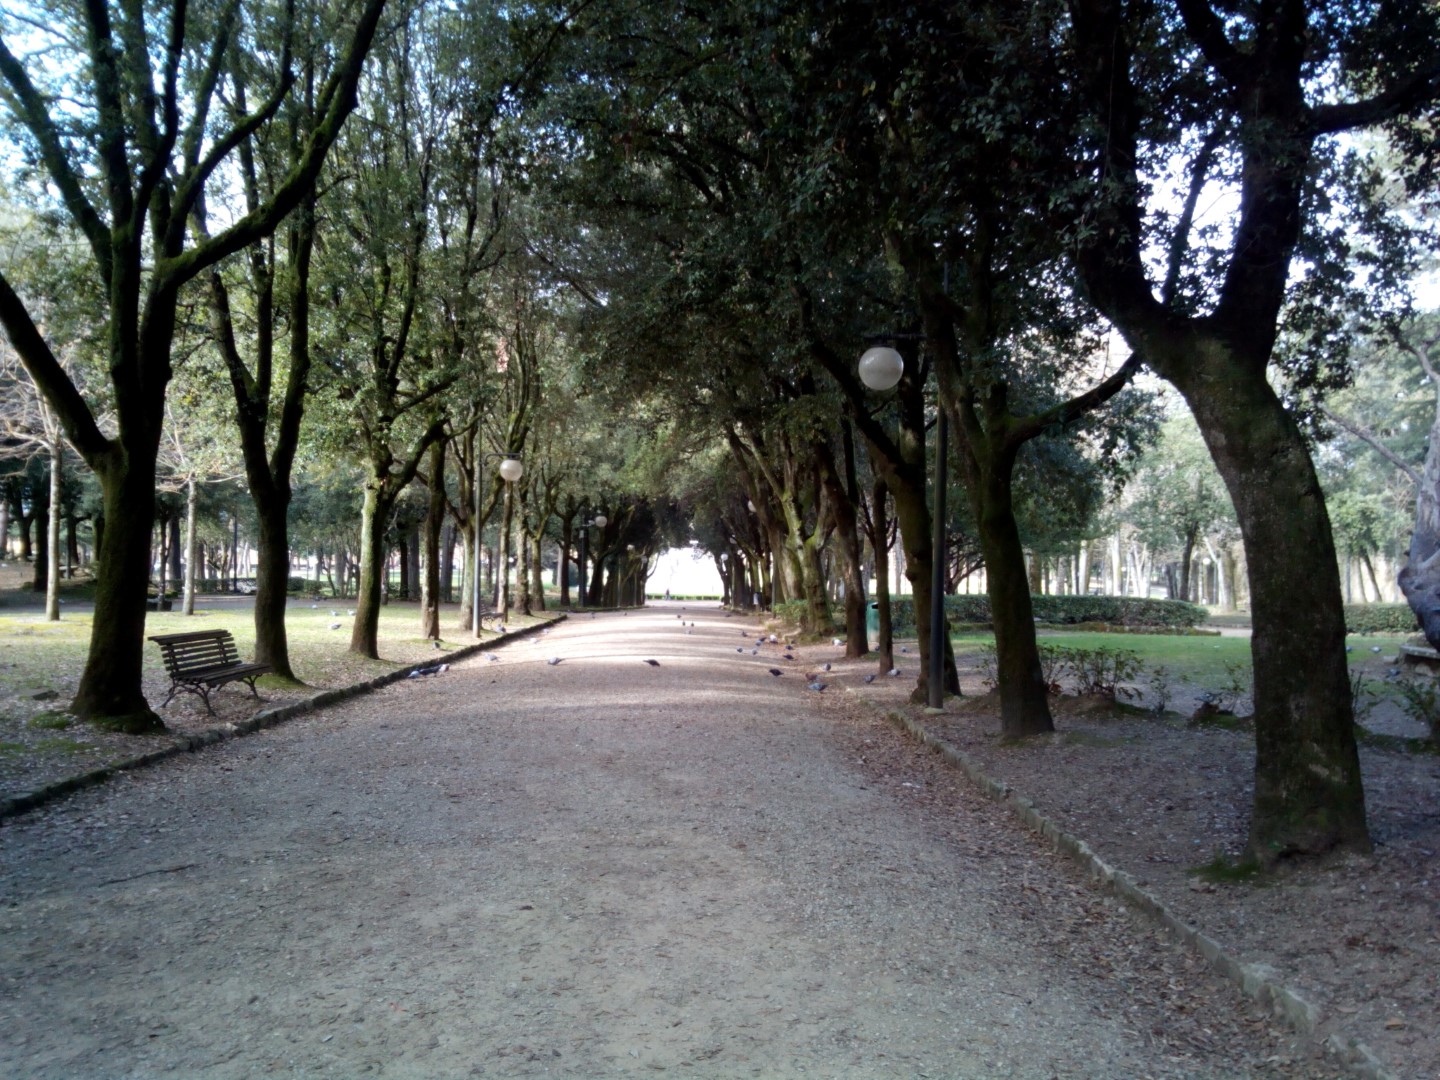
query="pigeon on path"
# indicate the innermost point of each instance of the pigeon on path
(826, 668)
(653, 663)
(869, 679)
(817, 686)
(553, 661)
(334, 626)
(492, 657)
(775, 671)
(740, 648)
(893, 672)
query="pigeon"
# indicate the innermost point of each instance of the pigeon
(904, 648)
(437, 644)
(314, 606)
(836, 642)
(1374, 648)
(677, 616)
(754, 652)
(744, 632)
(816, 686)
(436, 670)
(653, 663)
(494, 658)
(553, 661)
(500, 629)
(789, 657)
(351, 613)
(825, 668)
(334, 626)
(894, 671)
(740, 648)
(773, 639)
(869, 679)
(776, 672)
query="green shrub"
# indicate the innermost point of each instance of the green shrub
(1380, 619)
(1101, 671)
(1129, 612)
(790, 612)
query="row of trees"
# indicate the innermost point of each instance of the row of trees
(396, 218)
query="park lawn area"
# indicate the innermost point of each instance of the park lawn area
(40, 656)
(1201, 659)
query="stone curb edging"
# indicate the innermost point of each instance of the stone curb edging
(1257, 981)
(16, 805)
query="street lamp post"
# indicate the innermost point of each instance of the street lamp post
(510, 470)
(599, 522)
(880, 368)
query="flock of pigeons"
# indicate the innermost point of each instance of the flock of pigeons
(813, 680)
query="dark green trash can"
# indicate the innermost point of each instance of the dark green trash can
(872, 620)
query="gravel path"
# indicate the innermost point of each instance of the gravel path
(591, 868)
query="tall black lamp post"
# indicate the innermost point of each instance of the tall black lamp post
(510, 470)
(880, 368)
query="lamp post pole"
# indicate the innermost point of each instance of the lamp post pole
(511, 469)
(880, 368)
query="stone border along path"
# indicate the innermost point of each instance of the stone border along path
(814, 912)
(1258, 981)
(15, 805)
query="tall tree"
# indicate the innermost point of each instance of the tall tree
(130, 134)
(1252, 96)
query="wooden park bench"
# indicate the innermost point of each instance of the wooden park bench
(202, 660)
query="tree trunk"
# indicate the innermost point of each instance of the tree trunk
(1024, 698)
(1308, 793)
(841, 496)
(879, 543)
(913, 516)
(52, 538)
(272, 583)
(567, 540)
(40, 516)
(434, 522)
(191, 502)
(502, 555)
(365, 635)
(110, 690)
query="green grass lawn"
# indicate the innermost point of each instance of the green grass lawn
(1203, 660)
(40, 656)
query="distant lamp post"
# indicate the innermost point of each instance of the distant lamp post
(599, 522)
(511, 469)
(880, 368)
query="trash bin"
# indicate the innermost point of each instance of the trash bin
(872, 621)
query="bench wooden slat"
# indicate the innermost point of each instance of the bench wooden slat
(199, 661)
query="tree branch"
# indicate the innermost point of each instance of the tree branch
(1365, 435)
(50, 378)
(30, 110)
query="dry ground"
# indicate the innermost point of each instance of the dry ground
(591, 868)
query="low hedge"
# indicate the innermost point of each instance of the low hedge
(1380, 619)
(1126, 611)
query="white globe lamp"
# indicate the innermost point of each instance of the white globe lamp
(881, 367)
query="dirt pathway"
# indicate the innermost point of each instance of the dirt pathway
(591, 868)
